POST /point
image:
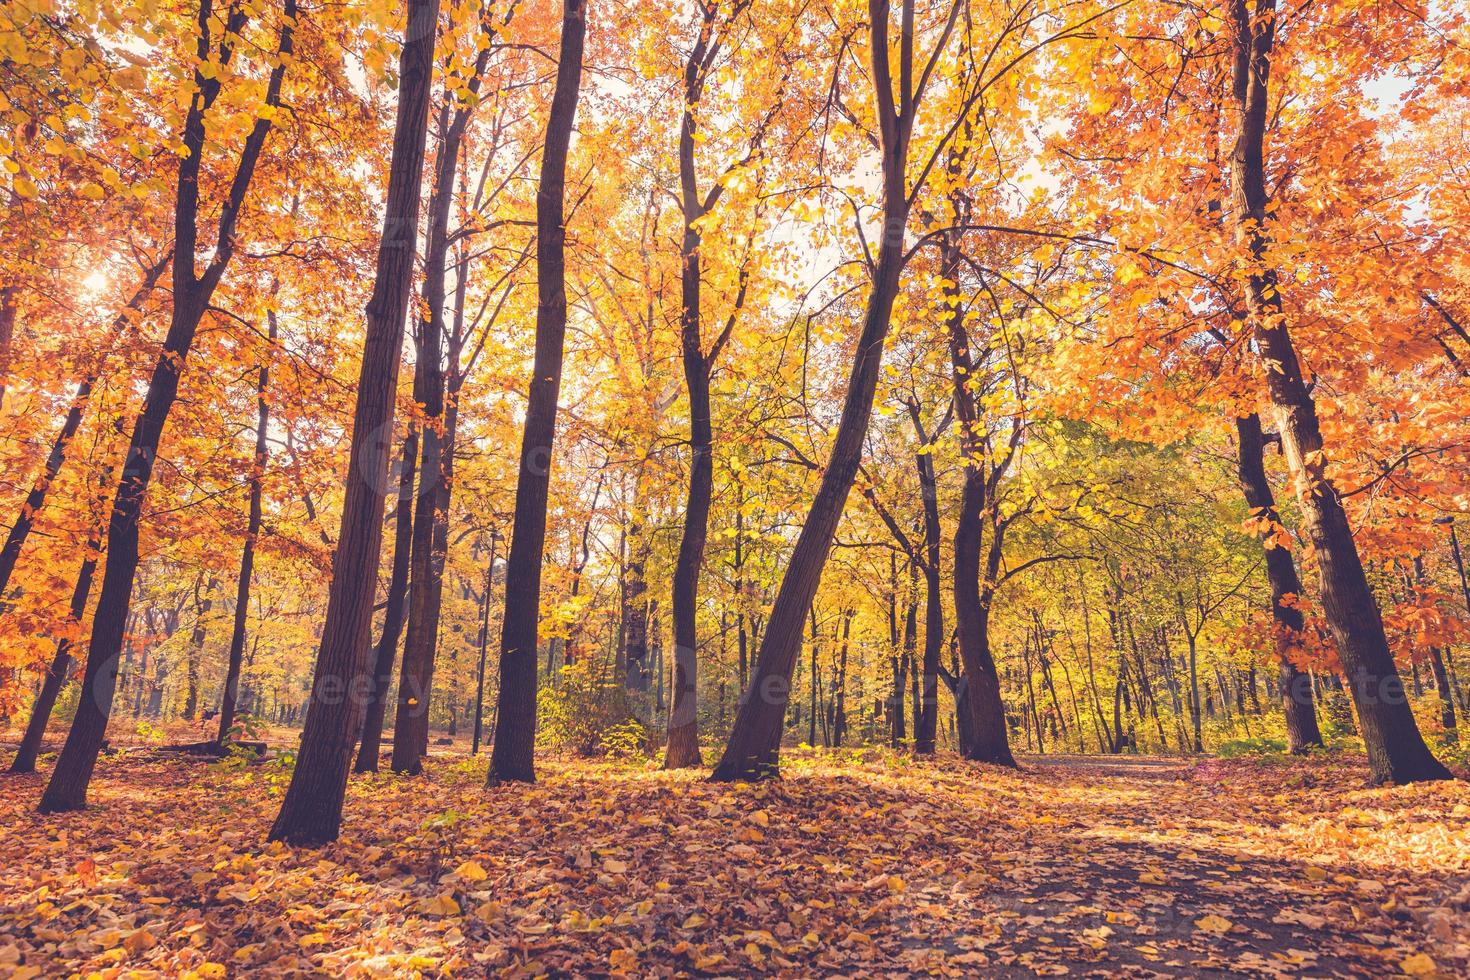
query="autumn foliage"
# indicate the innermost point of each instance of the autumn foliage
(620, 386)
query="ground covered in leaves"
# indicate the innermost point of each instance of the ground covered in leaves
(863, 863)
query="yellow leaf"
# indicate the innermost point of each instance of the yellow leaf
(1213, 923)
(471, 871)
(442, 904)
(1419, 965)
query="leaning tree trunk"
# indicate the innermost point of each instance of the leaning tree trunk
(513, 757)
(30, 743)
(1297, 704)
(753, 751)
(192, 292)
(1397, 752)
(311, 813)
(230, 696)
(395, 611)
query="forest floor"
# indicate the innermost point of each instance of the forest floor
(857, 862)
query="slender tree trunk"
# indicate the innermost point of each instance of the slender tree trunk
(926, 724)
(395, 611)
(1397, 752)
(683, 746)
(753, 751)
(484, 643)
(637, 671)
(192, 292)
(311, 813)
(1437, 671)
(816, 682)
(1297, 705)
(1194, 696)
(30, 743)
(7, 338)
(229, 696)
(430, 533)
(515, 724)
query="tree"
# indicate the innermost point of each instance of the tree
(311, 813)
(192, 291)
(1286, 588)
(753, 751)
(1396, 750)
(229, 697)
(512, 758)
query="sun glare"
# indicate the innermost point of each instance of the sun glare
(95, 285)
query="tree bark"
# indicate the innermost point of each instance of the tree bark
(395, 610)
(1397, 752)
(753, 751)
(311, 813)
(512, 758)
(1297, 704)
(229, 697)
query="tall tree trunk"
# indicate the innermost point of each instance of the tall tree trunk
(1397, 752)
(753, 751)
(926, 724)
(394, 612)
(1297, 705)
(637, 671)
(839, 706)
(515, 721)
(311, 813)
(430, 532)
(1441, 676)
(897, 729)
(7, 338)
(192, 292)
(229, 696)
(682, 751)
(479, 730)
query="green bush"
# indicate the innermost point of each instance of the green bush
(586, 713)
